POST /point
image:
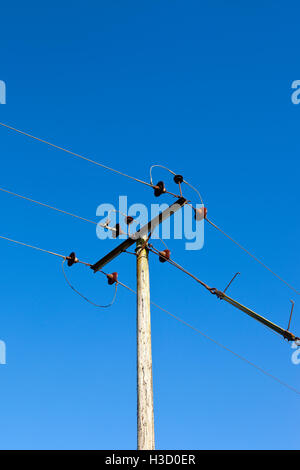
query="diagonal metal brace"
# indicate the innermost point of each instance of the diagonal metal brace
(285, 333)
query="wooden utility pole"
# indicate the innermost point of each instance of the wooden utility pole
(145, 413)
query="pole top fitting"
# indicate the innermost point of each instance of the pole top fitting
(112, 278)
(72, 259)
(217, 292)
(178, 179)
(290, 336)
(159, 189)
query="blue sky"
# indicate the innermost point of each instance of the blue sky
(204, 89)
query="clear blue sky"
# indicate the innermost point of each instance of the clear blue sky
(204, 89)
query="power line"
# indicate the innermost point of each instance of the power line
(268, 374)
(41, 249)
(253, 256)
(203, 284)
(159, 189)
(137, 180)
(149, 185)
(65, 258)
(113, 229)
(224, 233)
(84, 158)
(159, 307)
(173, 173)
(83, 296)
(74, 154)
(286, 334)
(55, 208)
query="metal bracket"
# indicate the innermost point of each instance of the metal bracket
(236, 274)
(290, 319)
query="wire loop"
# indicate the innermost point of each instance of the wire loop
(83, 296)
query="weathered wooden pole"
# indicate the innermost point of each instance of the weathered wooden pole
(145, 413)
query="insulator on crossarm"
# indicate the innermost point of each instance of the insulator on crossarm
(178, 179)
(112, 278)
(201, 213)
(164, 255)
(72, 259)
(159, 189)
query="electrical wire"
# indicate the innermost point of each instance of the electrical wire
(173, 173)
(286, 334)
(160, 166)
(74, 154)
(162, 309)
(64, 273)
(83, 296)
(85, 158)
(195, 189)
(224, 233)
(55, 209)
(39, 249)
(242, 358)
(163, 242)
(228, 236)
(253, 256)
(203, 284)
(172, 262)
(143, 182)
(220, 294)
(124, 215)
